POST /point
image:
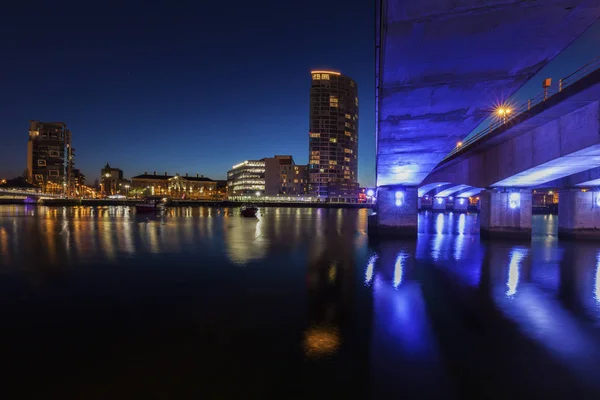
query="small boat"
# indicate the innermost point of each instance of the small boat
(248, 211)
(150, 204)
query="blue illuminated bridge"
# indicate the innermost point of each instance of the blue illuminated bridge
(440, 65)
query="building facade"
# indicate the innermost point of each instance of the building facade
(174, 186)
(333, 137)
(50, 157)
(111, 181)
(268, 177)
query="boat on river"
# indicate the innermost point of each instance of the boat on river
(150, 204)
(248, 211)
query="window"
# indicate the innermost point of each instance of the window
(348, 125)
(54, 153)
(314, 135)
(348, 151)
(347, 159)
(333, 140)
(332, 162)
(316, 77)
(348, 133)
(348, 116)
(39, 177)
(53, 172)
(333, 101)
(42, 163)
(325, 77)
(356, 101)
(314, 161)
(312, 153)
(321, 170)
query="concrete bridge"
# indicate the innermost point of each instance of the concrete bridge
(440, 65)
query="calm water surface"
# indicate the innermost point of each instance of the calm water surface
(201, 303)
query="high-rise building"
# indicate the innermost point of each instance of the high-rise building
(50, 157)
(333, 142)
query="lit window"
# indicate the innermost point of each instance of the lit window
(348, 116)
(356, 101)
(321, 170)
(316, 77)
(39, 177)
(312, 153)
(347, 125)
(332, 162)
(333, 101)
(314, 135)
(348, 133)
(42, 163)
(325, 77)
(333, 140)
(295, 180)
(347, 159)
(348, 151)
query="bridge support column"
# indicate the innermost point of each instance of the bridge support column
(578, 214)
(505, 213)
(461, 204)
(439, 204)
(396, 212)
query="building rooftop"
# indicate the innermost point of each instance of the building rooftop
(167, 177)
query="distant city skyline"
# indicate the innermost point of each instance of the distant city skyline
(195, 88)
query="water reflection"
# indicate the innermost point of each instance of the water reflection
(397, 317)
(516, 255)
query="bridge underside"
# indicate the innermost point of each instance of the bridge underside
(442, 65)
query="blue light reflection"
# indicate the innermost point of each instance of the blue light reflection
(516, 256)
(370, 269)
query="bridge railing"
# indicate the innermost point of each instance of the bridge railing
(510, 111)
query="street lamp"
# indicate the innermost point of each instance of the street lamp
(503, 111)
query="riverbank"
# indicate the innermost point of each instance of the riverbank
(176, 203)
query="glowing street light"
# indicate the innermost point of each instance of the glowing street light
(459, 144)
(503, 111)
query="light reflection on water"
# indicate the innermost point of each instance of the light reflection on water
(393, 313)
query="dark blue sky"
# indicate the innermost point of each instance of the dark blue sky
(180, 87)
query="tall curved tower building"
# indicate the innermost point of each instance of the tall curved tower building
(333, 142)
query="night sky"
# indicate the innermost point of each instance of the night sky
(179, 86)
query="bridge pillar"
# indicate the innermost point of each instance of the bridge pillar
(396, 212)
(461, 204)
(578, 214)
(439, 204)
(505, 213)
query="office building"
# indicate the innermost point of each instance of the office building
(174, 186)
(270, 177)
(333, 137)
(50, 157)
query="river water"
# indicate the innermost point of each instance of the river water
(202, 303)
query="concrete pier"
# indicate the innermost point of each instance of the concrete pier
(461, 204)
(396, 214)
(505, 213)
(439, 204)
(578, 214)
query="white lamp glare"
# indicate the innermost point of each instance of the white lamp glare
(514, 200)
(399, 198)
